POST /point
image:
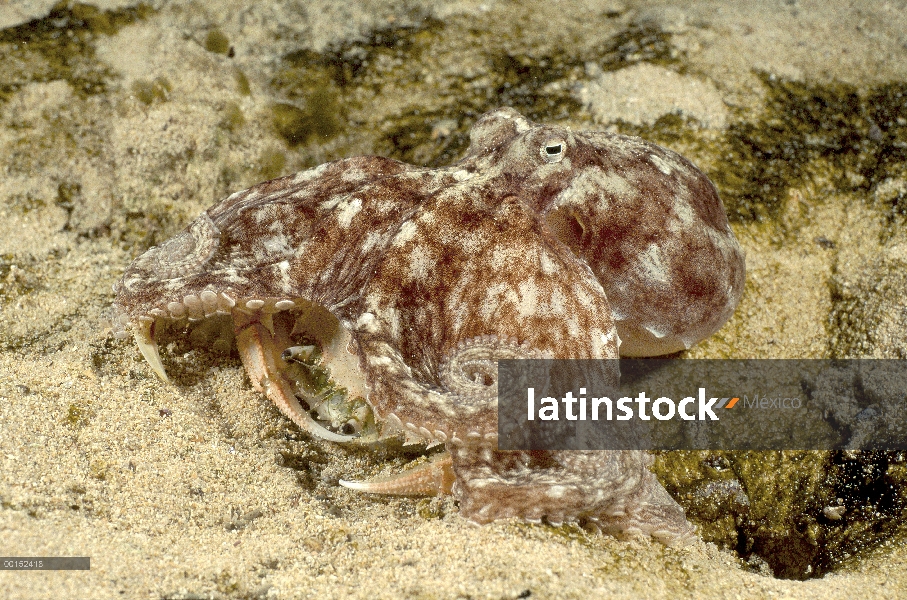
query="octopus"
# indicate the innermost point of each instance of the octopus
(371, 298)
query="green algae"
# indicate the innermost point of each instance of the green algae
(413, 138)
(242, 83)
(233, 118)
(431, 509)
(150, 92)
(431, 124)
(642, 42)
(828, 136)
(779, 507)
(60, 47)
(271, 163)
(68, 195)
(18, 276)
(351, 63)
(98, 469)
(145, 223)
(227, 583)
(217, 42)
(318, 118)
(78, 415)
(313, 107)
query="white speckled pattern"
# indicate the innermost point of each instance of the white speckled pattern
(539, 242)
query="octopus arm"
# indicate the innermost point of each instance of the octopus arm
(611, 490)
(499, 288)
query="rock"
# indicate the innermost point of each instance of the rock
(644, 92)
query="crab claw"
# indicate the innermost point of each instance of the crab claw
(262, 359)
(432, 478)
(144, 337)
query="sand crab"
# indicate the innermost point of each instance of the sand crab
(405, 285)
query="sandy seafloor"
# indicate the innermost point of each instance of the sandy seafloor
(117, 129)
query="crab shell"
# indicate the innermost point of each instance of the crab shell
(540, 242)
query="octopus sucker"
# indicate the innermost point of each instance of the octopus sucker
(263, 350)
(372, 299)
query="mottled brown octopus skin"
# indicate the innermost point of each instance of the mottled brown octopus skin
(540, 242)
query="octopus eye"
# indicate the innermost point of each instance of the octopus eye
(553, 150)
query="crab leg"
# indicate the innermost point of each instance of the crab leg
(144, 338)
(434, 477)
(260, 346)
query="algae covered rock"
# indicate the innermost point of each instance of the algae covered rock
(801, 513)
